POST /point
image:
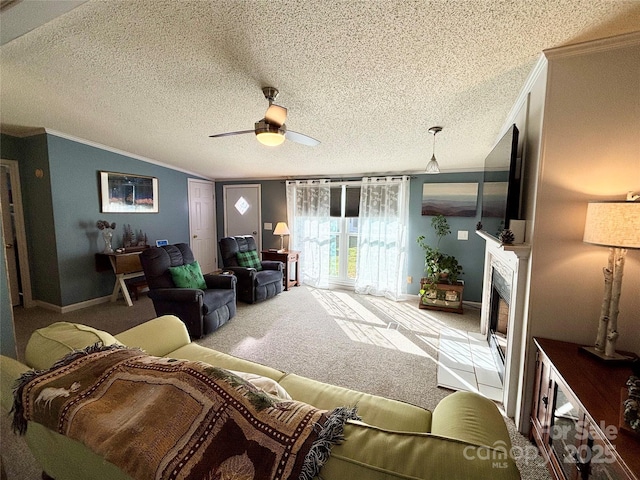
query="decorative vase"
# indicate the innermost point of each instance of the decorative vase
(107, 236)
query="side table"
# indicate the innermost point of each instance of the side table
(125, 266)
(290, 259)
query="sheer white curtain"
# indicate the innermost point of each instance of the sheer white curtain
(382, 239)
(308, 204)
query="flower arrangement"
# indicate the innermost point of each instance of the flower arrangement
(102, 224)
(106, 228)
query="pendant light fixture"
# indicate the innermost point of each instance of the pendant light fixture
(432, 166)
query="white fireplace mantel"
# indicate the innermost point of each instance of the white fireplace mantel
(513, 263)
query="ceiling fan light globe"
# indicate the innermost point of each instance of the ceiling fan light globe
(270, 139)
(270, 135)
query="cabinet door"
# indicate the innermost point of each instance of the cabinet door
(566, 435)
(541, 419)
(603, 461)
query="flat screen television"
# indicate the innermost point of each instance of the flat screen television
(501, 185)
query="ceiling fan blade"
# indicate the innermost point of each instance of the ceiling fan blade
(276, 115)
(301, 138)
(229, 134)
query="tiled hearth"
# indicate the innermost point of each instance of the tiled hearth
(465, 362)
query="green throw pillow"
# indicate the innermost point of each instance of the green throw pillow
(188, 276)
(249, 259)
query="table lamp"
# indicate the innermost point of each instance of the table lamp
(613, 224)
(282, 230)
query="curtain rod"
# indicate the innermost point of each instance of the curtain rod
(336, 180)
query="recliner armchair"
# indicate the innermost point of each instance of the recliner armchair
(253, 285)
(201, 310)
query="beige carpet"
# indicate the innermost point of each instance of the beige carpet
(361, 342)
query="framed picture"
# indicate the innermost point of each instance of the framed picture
(126, 193)
(450, 199)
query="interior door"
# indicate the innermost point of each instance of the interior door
(9, 238)
(243, 211)
(15, 237)
(202, 224)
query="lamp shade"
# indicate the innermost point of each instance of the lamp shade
(281, 229)
(613, 224)
(432, 166)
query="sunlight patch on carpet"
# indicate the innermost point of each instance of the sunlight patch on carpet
(405, 313)
(360, 310)
(341, 305)
(380, 337)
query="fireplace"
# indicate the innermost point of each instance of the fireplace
(500, 298)
(502, 318)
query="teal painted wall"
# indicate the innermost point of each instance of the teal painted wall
(10, 147)
(470, 253)
(33, 164)
(39, 219)
(63, 205)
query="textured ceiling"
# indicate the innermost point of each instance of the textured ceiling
(366, 78)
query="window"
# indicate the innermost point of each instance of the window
(345, 207)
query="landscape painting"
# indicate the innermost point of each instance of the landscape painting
(450, 199)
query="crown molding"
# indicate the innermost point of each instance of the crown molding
(39, 131)
(594, 46)
(523, 96)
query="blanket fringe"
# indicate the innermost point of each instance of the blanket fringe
(331, 433)
(19, 423)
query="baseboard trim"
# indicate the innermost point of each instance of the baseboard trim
(73, 307)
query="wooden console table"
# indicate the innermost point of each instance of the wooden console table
(125, 266)
(288, 258)
(575, 419)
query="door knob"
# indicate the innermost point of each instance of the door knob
(195, 236)
(8, 245)
(255, 233)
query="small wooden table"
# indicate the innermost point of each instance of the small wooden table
(125, 266)
(287, 257)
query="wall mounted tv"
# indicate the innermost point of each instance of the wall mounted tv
(501, 186)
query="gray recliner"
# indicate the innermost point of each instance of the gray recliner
(253, 285)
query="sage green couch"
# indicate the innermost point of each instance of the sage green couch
(465, 436)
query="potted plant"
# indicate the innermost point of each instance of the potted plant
(440, 268)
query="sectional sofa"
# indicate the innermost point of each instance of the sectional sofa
(464, 437)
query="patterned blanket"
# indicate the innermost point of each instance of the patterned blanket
(176, 419)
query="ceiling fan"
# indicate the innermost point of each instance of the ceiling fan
(271, 130)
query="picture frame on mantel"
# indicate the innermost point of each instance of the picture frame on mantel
(128, 193)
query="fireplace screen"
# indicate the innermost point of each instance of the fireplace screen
(499, 319)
